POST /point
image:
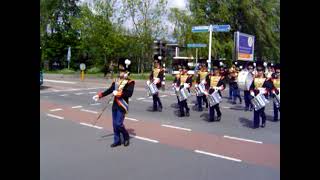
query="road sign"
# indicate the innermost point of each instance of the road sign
(221, 28)
(200, 28)
(196, 45)
(82, 66)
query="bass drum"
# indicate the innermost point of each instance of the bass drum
(245, 80)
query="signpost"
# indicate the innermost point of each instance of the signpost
(214, 28)
(196, 45)
(82, 68)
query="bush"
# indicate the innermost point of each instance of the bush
(94, 70)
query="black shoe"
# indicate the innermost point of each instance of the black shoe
(218, 118)
(211, 120)
(182, 115)
(160, 109)
(115, 145)
(246, 109)
(240, 102)
(126, 142)
(255, 127)
(275, 120)
(187, 114)
(234, 102)
(200, 109)
(263, 125)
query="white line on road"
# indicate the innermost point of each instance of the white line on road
(175, 127)
(90, 125)
(55, 81)
(73, 107)
(146, 139)
(242, 139)
(89, 111)
(58, 109)
(164, 95)
(131, 119)
(78, 93)
(95, 104)
(147, 101)
(140, 98)
(54, 116)
(217, 155)
(64, 95)
(225, 107)
(92, 92)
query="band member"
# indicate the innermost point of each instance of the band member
(177, 77)
(259, 86)
(121, 88)
(270, 70)
(156, 77)
(276, 90)
(234, 85)
(214, 82)
(248, 104)
(201, 76)
(230, 80)
(184, 81)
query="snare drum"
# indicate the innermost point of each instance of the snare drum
(152, 89)
(200, 89)
(183, 94)
(244, 79)
(276, 99)
(214, 98)
(259, 102)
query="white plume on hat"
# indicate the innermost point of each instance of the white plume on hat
(127, 62)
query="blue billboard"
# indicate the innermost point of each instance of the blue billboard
(244, 46)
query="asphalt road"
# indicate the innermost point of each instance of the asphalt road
(163, 146)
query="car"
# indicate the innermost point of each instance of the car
(41, 78)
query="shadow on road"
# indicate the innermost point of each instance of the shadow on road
(44, 87)
(246, 122)
(205, 117)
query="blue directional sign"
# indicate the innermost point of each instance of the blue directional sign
(200, 28)
(196, 45)
(221, 28)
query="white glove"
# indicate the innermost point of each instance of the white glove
(262, 91)
(273, 91)
(95, 98)
(115, 93)
(206, 93)
(186, 85)
(156, 80)
(220, 88)
(203, 81)
(196, 85)
(252, 93)
(148, 82)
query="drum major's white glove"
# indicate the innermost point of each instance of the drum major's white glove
(156, 80)
(95, 98)
(115, 93)
(148, 82)
(252, 93)
(203, 81)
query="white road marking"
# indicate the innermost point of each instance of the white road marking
(95, 104)
(217, 155)
(54, 116)
(58, 109)
(140, 98)
(163, 95)
(175, 127)
(90, 125)
(64, 95)
(55, 81)
(131, 119)
(92, 92)
(225, 107)
(78, 93)
(146, 139)
(89, 111)
(150, 97)
(172, 94)
(147, 100)
(242, 139)
(73, 107)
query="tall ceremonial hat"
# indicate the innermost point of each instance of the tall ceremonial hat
(249, 63)
(216, 65)
(277, 66)
(184, 64)
(203, 62)
(260, 65)
(157, 59)
(124, 64)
